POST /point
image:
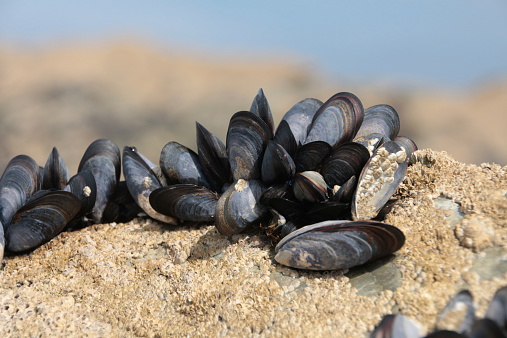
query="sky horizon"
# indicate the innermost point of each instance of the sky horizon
(453, 44)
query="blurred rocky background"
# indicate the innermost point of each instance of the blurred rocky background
(60, 87)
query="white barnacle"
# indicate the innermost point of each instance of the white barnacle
(336, 188)
(241, 185)
(401, 155)
(389, 180)
(394, 166)
(87, 191)
(392, 157)
(385, 165)
(147, 182)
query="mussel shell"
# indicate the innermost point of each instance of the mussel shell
(397, 326)
(55, 173)
(378, 181)
(333, 245)
(247, 137)
(102, 158)
(19, 181)
(238, 208)
(497, 309)
(186, 202)
(213, 156)
(121, 207)
(277, 165)
(181, 165)
(407, 144)
(336, 120)
(41, 219)
(346, 191)
(142, 179)
(2, 242)
(345, 161)
(260, 107)
(309, 186)
(300, 116)
(381, 122)
(84, 187)
(310, 155)
(285, 138)
(458, 314)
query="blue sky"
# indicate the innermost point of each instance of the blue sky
(448, 43)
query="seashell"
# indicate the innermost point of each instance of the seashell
(238, 208)
(381, 124)
(213, 156)
(185, 201)
(309, 186)
(333, 245)
(396, 326)
(406, 144)
(458, 314)
(345, 161)
(310, 155)
(83, 186)
(285, 138)
(20, 180)
(55, 173)
(260, 107)
(41, 219)
(102, 159)
(497, 309)
(299, 118)
(247, 138)
(181, 165)
(142, 178)
(379, 179)
(337, 120)
(345, 192)
(277, 165)
(121, 207)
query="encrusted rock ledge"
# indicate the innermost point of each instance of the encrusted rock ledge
(148, 279)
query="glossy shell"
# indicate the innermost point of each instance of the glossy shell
(55, 173)
(181, 165)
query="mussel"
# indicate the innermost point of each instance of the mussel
(333, 245)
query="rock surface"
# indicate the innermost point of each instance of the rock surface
(145, 278)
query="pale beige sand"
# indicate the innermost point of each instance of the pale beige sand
(148, 279)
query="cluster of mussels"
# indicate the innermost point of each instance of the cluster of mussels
(457, 319)
(314, 183)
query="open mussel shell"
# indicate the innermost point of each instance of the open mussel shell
(300, 116)
(247, 137)
(337, 120)
(344, 162)
(309, 186)
(378, 181)
(277, 165)
(213, 156)
(55, 173)
(381, 124)
(20, 180)
(260, 107)
(333, 245)
(83, 186)
(41, 219)
(102, 158)
(186, 202)
(181, 165)
(143, 177)
(238, 208)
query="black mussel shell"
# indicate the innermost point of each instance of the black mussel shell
(333, 245)
(285, 138)
(239, 208)
(344, 162)
(260, 107)
(102, 158)
(143, 177)
(277, 165)
(336, 120)
(41, 219)
(381, 124)
(213, 156)
(346, 191)
(300, 117)
(497, 310)
(121, 207)
(20, 180)
(186, 202)
(310, 155)
(309, 186)
(181, 165)
(247, 137)
(55, 173)
(407, 144)
(84, 187)
(379, 179)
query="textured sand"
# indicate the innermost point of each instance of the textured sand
(148, 279)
